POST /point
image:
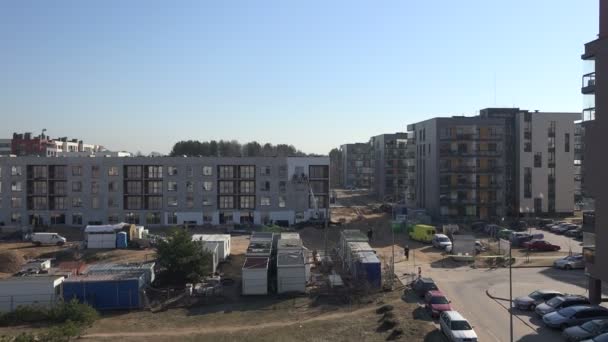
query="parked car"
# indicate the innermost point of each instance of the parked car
(422, 232)
(535, 298)
(48, 239)
(541, 223)
(504, 234)
(518, 238)
(492, 229)
(436, 303)
(423, 285)
(588, 330)
(574, 315)
(560, 302)
(574, 232)
(553, 224)
(478, 226)
(441, 241)
(600, 338)
(570, 262)
(555, 228)
(565, 228)
(455, 327)
(518, 225)
(541, 246)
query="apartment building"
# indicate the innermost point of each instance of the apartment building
(595, 122)
(390, 166)
(459, 167)
(5, 147)
(357, 165)
(162, 190)
(26, 144)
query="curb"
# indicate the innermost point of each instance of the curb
(494, 297)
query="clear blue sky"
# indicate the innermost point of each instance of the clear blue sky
(140, 75)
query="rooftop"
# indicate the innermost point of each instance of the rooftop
(289, 243)
(290, 258)
(104, 277)
(256, 262)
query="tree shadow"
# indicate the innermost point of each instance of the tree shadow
(435, 336)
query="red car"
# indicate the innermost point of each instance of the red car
(541, 245)
(436, 303)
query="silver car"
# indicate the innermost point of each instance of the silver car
(586, 331)
(560, 302)
(574, 315)
(570, 262)
(535, 298)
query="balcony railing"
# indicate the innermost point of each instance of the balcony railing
(470, 169)
(589, 114)
(486, 153)
(471, 185)
(588, 86)
(471, 136)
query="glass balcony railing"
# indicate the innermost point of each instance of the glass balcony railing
(588, 86)
(589, 114)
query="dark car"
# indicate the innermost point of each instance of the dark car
(601, 338)
(574, 315)
(560, 302)
(518, 239)
(423, 285)
(574, 232)
(478, 226)
(541, 246)
(585, 331)
(518, 225)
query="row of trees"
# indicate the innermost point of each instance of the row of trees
(233, 148)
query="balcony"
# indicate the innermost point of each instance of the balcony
(471, 185)
(588, 86)
(471, 169)
(471, 137)
(486, 153)
(589, 114)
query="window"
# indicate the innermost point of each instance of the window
(247, 202)
(567, 142)
(207, 186)
(189, 171)
(40, 188)
(57, 172)
(16, 202)
(95, 202)
(189, 186)
(527, 146)
(134, 203)
(538, 159)
(112, 186)
(133, 187)
(16, 171)
(77, 219)
(171, 186)
(155, 172)
(16, 218)
(155, 187)
(265, 170)
(76, 170)
(282, 186)
(318, 171)
(172, 201)
(226, 172)
(95, 171)
(247, 171)
(76, 202)
(94, 187)
(226, 187)
(527, 116)
(265, 186)
(59, 188)
(282, 202)
(247, 187)
(16, 186)
(207, 171)
(264, 201)
(39, 171)
(283, 171)
(132, 218)
(112, 202)
(59, 203)
(226, 202)
(172, 218)
(172, 170)
(39, 203)
(207, 201)
(113, 171)
(113, 218)
(76, 186)
(527, 182)
(155, 202)
(153, 218)
(133, 171)
(190, 201)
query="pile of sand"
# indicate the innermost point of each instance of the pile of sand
(10, 261)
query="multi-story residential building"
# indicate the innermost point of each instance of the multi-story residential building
(459, 167)
(162, 190)
(25, 145)
(5, 147)
(410, 164)
(335, 168)
(390, 167)
(595, 123)
(357, 165)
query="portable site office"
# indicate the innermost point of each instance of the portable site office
(107, 291)
(291, 271)
(259, 248)
(213, 248)
(367, 267)
(222, 239)
(290, 236)
(146, 268)
(350, 235)
(289, 244)
(255, 276)
(28, 290)
(352, 248)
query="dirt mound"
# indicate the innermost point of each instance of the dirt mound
(10, 261)
(384, 309)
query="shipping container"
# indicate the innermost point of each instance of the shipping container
(29, 290)
(262, 236)
(288, 236)
(222, 239)
(259, 248)
(291, 271)
(213, 248)
(107, 291)
(352, 248)
(349, 235)
(255, 276)
(289, 244)
(368, 268)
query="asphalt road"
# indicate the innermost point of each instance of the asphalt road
(468, 290)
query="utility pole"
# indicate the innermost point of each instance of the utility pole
(510, 294)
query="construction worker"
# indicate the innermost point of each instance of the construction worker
(406, 251)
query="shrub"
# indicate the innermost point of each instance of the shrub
(73, 311)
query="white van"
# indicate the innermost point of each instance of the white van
(48, 239)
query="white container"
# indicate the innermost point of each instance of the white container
(354, 248)
(255, 276)
(222, 239)
(288, 236)
(214, 248)
(259, 248)
(291, 271)
(101, 240)
(289, 244)
(261, 236)
(39, 290)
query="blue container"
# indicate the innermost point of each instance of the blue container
(121, 240)
(106, 291)
(369, 268)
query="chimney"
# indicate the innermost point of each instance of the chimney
(603, 19)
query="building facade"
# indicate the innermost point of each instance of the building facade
(76, 191)
(5, 147)
(595, 121)
(390, 166)
(357, 165)
(26, 144)
(459, 166)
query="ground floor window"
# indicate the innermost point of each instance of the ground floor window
(172, 218)
(132, 218)
(58, 219)
(113, 218)
(226, 217)
(207, 219)
(77, 219)
(246, 217)
(153, 218)
(16, 218)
